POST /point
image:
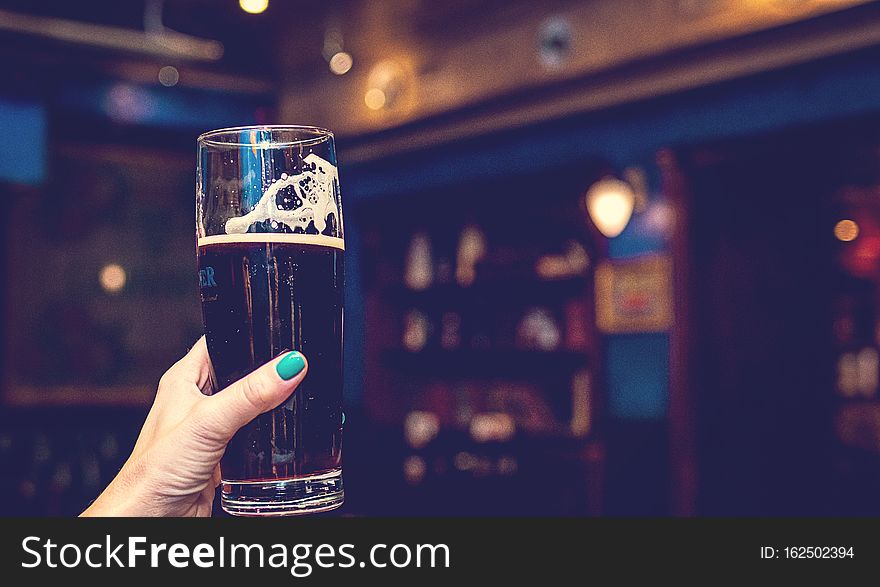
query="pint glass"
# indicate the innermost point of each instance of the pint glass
(270, 259)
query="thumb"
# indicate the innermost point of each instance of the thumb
(260, 391)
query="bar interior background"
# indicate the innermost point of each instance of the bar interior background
(607, 257)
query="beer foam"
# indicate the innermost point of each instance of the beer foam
(290, 238)
(317, 189)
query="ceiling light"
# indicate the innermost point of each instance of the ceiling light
(341, 63)
(254, 6)
(374, 99)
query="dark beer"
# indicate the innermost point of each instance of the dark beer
(258, 300)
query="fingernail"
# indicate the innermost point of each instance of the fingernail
(290, 366)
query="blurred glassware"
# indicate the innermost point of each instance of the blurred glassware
(419, 265)
(414, 469)
(61, 477)
(506, 465)
(27, 489)
(108, 447)
(464, 394)
(573, 262)
(415, 331)
(858, 424)
(847, 374)
(524, 402)
(42, 449)
(637, 179)
(492, 427)
(868, 367)
(581, 413)
(450, 330)
(576, 324)
(5, 443)
(420, 428)
(538, 330)
(471, 250)
(90, 473)
(464, 461)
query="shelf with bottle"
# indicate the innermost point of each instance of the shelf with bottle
(856, 336)
(857, 424)
(479, 268)
(491, 432)
(498, 408)
(492, 449)
(454, 473)
(511, 290)
(494, 334)
(858, 374)
(485, 363)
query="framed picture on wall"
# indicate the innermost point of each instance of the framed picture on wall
(634, 295)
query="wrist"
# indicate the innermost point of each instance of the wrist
(121, 498)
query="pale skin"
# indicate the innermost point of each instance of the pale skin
(175, 465)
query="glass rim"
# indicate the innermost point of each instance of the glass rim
(318, 135)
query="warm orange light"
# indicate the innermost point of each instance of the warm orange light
(112, 278)
(846, 230)
(610, 203)
(341, 63)
(420, 428)
(492, 426)
(374, 98)
(387, 85)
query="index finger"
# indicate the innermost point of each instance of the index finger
(195, 366)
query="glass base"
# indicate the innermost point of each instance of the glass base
(283, 497)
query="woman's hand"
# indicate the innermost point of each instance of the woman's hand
(174, 467)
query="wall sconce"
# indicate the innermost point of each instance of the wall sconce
(610, 204)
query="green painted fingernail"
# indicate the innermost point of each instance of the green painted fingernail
(290, 366)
